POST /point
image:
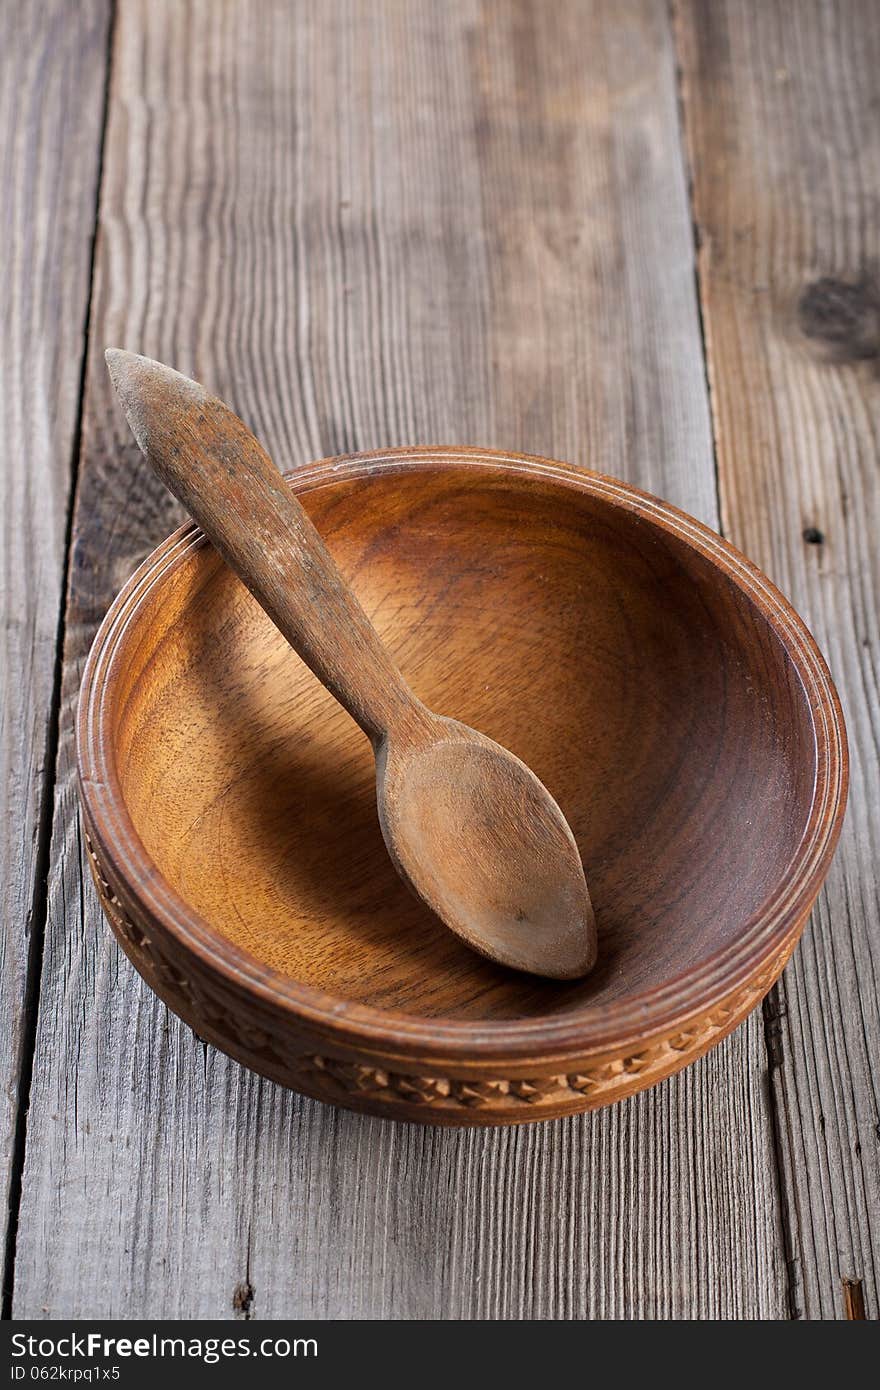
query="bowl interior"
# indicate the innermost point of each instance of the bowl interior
(644, 688)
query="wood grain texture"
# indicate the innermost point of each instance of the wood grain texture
(486, 239)
(52, 66)
(781, 110)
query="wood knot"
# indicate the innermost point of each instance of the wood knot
(842, 317)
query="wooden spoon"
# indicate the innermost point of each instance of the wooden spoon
(468, 826)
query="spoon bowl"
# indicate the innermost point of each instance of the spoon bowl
(483, 843)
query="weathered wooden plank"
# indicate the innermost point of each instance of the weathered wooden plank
(52, 66)
(366, 225)
(781, 104)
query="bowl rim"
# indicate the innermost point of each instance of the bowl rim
(590, 1029)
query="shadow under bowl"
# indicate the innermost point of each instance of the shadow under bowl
(661, 688)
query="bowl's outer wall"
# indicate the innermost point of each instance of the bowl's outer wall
(474, 1073)
(368, 1079)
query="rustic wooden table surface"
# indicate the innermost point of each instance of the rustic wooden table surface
(638, 237)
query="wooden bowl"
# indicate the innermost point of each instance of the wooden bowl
(657, 683)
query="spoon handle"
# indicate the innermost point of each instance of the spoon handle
(213, 464)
